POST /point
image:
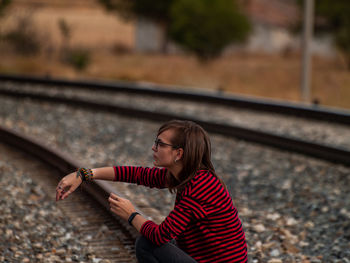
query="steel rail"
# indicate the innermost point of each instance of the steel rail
(327, 153)
(293, 109)
(99, 190)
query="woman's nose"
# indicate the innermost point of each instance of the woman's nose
(154, 148)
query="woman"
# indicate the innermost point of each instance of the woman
(203, 226)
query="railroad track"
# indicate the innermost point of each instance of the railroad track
(314, 149)
(314, 112)
(283, 198)
(111, 238)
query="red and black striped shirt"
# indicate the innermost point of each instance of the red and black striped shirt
(204, 221)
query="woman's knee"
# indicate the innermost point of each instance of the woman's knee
(144, 250)
(142, 244)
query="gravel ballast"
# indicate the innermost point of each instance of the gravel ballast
(32, 226)
(293, 208)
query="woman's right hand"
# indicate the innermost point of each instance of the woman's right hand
(67, 185)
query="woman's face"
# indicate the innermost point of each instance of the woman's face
(164, 154)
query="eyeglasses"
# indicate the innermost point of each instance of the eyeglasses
(159, 142)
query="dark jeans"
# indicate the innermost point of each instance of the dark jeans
(147, 252)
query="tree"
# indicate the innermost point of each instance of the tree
(333, 17)
(157, 10)
(205, 27)
(337, 14)
(154, 10)
(3, 5)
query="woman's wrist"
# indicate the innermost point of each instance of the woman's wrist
(85, 174)
(132, 216)
(138, 222)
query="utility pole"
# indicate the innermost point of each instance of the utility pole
(306, 49)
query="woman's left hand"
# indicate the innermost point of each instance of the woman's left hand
(121, 206)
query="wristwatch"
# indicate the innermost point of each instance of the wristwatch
(132, 216)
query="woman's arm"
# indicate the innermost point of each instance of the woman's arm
(104, 173)
(150, 177)
(185, 211)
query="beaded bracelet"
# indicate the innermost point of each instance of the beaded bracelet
(85, 174)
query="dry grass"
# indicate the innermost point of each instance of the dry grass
(90, 25)
(272, 76)
(259, 75)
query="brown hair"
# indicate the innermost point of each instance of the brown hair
(196, 145)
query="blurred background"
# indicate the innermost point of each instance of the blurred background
(246, 47)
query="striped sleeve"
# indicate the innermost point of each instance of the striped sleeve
(185, 211)
(151, 177)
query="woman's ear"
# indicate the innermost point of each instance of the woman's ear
(179, 153)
